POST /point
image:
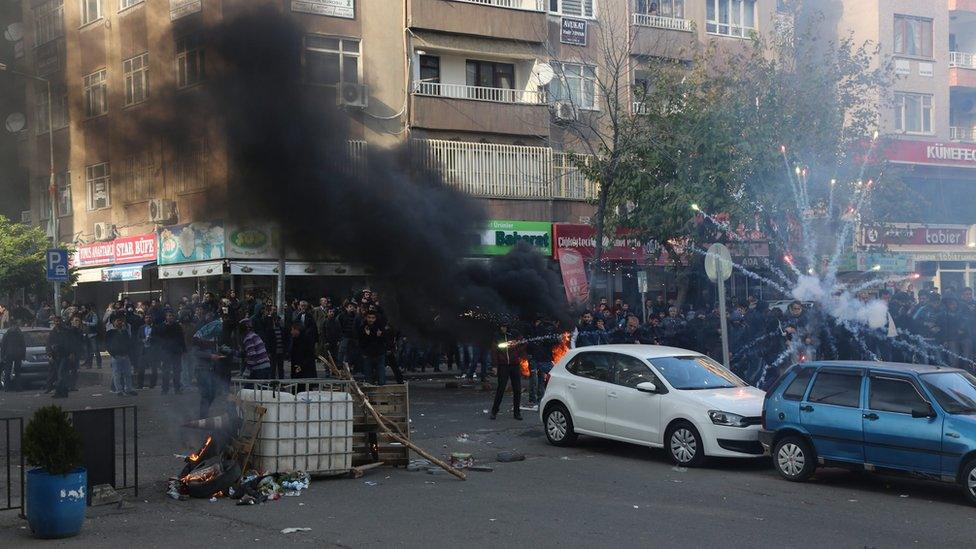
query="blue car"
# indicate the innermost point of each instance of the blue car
(875, 416)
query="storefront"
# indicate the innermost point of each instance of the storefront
(943, 256)
(123, 266)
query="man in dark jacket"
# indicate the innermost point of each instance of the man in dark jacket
(13, 350)
(277, 340)
(505, 357)
(372, 344)
(540, 358)
(348, 320)
(171, 344)
(118, 342)
(59, 348)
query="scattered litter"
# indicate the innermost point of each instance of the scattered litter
(565, 458)
(485, 411)
(293, 530)
(462, 437)
(481, 468)
(903, 496)
(213, 499)
(460, 460)
(387, 478)
(676, 480)
(492, 520)
(760, 518)
(418, 465)
(247, 500)
(301, 505)
(637, 507)
(852, 500)
(679, 469)
(173, 490)
(296, 481)
(370, 483)
(435, 471)
(97, 395)
(430, 482)
(508, 457)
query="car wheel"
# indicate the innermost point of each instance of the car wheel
(559, 426)
(684, 445)
(794, 459)
(968, 481)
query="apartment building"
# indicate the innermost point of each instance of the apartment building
(491, 88)
(929, 125)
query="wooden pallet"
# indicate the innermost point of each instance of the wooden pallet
(369, 444)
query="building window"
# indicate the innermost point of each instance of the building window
(189, 61)
(96, 93)
(59, 114)
(48, 21)
(662, 8)
(576, 84)
(63, 182)
(98, 182)
(329, 61)
(42, 184)
(124, 4)
(91, 10)
(135, 72)
(430, 69)
(488, 74)
(136, 178)
(913, 36)
(913, 112)
(578, 8)
(189, 168)
(731, 17)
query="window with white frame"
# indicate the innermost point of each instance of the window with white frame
(135, 74)
(330, 60)
(63, 182)
(662, 8)
(189, 61)
(96, 93)
(98, 183)
(59, 106)
(48, 21)
(91, 10)
(577, 8)
(576, 84)
(730, 17)
(913, 36)
(135, 178)
(913, 112)
(123, 4)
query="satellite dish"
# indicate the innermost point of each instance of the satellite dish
(15, 122)
(543, 73)
(14, 32)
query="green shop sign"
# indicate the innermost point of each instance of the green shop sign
(501, 236)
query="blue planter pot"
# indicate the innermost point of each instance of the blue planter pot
(56, 503)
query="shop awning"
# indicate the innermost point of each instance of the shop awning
(124, 273)
(191, 270)
(294, 268)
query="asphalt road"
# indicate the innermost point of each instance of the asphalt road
(597, 494)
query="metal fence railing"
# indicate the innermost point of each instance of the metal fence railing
(661, 22)
(962, 59)
(110, 451)
(961, 133)
(480, 93)
(12, 469)
(527, 5)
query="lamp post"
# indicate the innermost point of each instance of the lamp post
(51, 188)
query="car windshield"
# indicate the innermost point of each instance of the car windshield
(955, 391)
(36, 338)
(692, 373)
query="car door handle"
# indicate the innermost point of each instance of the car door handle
(871, 416)
(572, 385)
(952, 435)
(611, 395)
(806, 408)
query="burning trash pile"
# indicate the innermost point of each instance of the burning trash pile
(212, 472)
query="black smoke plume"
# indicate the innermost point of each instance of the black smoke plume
(286, 148)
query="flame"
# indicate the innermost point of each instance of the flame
(561, 349)
(196, 456)
(524, 366)
(202, 475)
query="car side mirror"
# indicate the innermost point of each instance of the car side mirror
(926, 413)
(646, 387)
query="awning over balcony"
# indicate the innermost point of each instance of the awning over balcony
(469, 44)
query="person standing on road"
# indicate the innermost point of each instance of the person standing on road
(92, 327)
(205, 347)
(118, 343)
(372, 344)
(148, 353)
(171, 345)
(276, 341)
(540, 358)
(13, 350)
(302, 353)
(257, 363)
(506, 360)
(348, 320)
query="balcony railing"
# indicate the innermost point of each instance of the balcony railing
(505, 171)
(960, 133)
(527, 5)
(479, 93)
(356, 153)
(962, 59)
(660, 22)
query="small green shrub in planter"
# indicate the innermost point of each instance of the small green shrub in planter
(51, 442)
(56, 488)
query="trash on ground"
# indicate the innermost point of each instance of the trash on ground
(462, 437)
(418, 465)
(461, 460)
(679, 469)
(508, 457)
(293, 530)
(481, 468)
(370, 483)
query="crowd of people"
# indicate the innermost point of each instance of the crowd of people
(205, 340)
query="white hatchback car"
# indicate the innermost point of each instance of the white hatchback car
(655, 396)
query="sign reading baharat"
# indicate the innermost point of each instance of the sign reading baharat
(501, 236)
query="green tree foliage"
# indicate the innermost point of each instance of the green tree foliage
(22, 250)
(51, 442)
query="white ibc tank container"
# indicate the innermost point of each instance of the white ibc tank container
(274, 449)
(323, 424)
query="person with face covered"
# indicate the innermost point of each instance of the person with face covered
(505, 357)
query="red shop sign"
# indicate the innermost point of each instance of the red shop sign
(930, 153)
(915, 235)
(96, 253)
(572, 236)
(126, 249)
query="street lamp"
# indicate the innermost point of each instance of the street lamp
(51, 188)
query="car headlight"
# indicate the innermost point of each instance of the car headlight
(727, 419)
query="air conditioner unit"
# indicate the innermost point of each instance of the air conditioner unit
(104, 231)
(352, 94)
(162, 211)
(564, 110)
